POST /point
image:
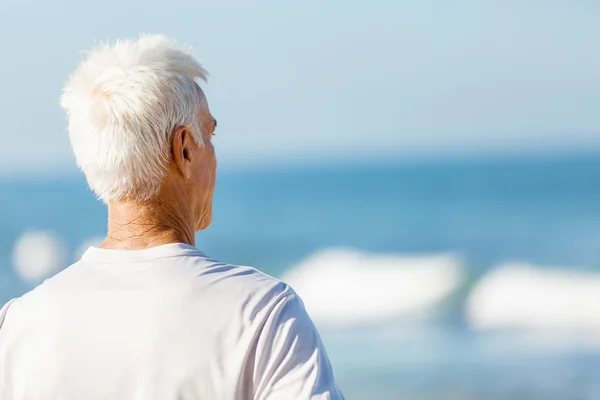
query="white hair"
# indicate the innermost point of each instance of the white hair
(123, 103)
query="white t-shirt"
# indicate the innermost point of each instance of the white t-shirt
(165, 323)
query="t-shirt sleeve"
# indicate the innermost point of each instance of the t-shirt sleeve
(4, 310)
(291, 362)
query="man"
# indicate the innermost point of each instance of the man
(146, 315)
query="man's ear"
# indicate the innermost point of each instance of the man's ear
(181, 145)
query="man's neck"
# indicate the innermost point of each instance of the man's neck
(136, 226)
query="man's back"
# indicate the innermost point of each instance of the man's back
(161, 323)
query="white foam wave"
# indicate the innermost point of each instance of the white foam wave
(344, 286)
(37, 254)
(525, 297)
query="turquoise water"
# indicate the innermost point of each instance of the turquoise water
(544, 211)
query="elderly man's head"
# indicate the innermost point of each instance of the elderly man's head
(140, 126)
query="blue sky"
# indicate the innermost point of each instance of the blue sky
(328, 81)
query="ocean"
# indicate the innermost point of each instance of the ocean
(428, 280)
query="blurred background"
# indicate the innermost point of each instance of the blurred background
(425, 174)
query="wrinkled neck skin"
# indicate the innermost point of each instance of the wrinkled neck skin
(134, 225)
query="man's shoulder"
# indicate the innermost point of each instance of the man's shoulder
(241, 279)
(4, 310)
(229, 294)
